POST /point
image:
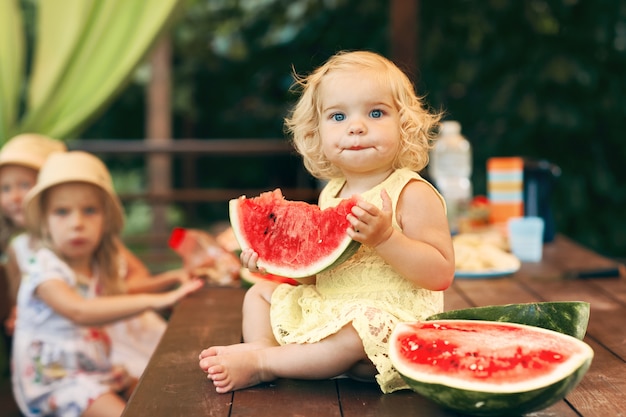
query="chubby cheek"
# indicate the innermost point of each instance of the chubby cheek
(330, 148)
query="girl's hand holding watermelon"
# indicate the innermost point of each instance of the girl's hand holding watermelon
(370, 225)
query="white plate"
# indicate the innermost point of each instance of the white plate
(494, 273)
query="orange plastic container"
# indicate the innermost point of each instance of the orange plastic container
(505, 188)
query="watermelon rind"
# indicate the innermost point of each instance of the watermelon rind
(342, 252)
(484, 399)
(568, 317)
(249, 278)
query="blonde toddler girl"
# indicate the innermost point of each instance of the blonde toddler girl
(359, 125)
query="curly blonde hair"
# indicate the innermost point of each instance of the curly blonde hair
(417, 124)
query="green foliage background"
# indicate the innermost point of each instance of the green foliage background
(536, 78)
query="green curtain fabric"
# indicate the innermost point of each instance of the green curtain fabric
(84, 52)
(11, 64)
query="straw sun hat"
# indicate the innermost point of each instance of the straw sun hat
(30, 150)
(74, 166)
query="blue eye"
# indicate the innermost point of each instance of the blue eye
(91, 210)
(376, 114)
(338, 117)
(61, 212)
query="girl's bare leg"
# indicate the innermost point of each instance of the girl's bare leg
(106, 405)
(256, 324)
(324, 359)
(256, 327)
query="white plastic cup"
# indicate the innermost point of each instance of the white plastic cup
(526, 238)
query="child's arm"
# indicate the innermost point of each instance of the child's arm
(423, 251)
(140, 280)
(63, 299)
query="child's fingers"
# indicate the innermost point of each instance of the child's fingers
(249, 259)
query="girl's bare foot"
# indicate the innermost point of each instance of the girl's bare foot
(232, 349)
(237, 371)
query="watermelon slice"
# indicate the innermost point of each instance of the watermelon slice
(293, 239)
(488, 368)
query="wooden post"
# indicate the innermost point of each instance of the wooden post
(159, 129)
(404, 20)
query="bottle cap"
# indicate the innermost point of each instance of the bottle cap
(450, 127)
(176, 237)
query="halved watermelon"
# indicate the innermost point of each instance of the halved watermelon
(292, 238)
(569, 317)
(487, 368)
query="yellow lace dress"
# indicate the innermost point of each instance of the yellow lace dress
(364, 291)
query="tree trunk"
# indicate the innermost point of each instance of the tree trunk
(404, 20)
(159, 129)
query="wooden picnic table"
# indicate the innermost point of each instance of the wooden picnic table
(173, 384)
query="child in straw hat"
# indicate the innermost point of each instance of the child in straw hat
(61, 353)
(20, 160)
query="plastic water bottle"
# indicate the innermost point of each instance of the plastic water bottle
(451, 168)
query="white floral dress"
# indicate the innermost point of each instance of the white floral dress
(363, 291)
(59, 368)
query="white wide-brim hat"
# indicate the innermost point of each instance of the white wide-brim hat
(30, 150)
(73, 166)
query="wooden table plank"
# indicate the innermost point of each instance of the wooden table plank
(484, 292)
(360, 399)
(288, 397)
(602, 392)
(170, 384)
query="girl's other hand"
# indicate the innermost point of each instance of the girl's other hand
(371, 225)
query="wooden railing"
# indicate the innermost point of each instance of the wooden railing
(189, 149)
(296, 184)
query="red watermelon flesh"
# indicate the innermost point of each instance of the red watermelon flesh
(292, 238)
(495, 353)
